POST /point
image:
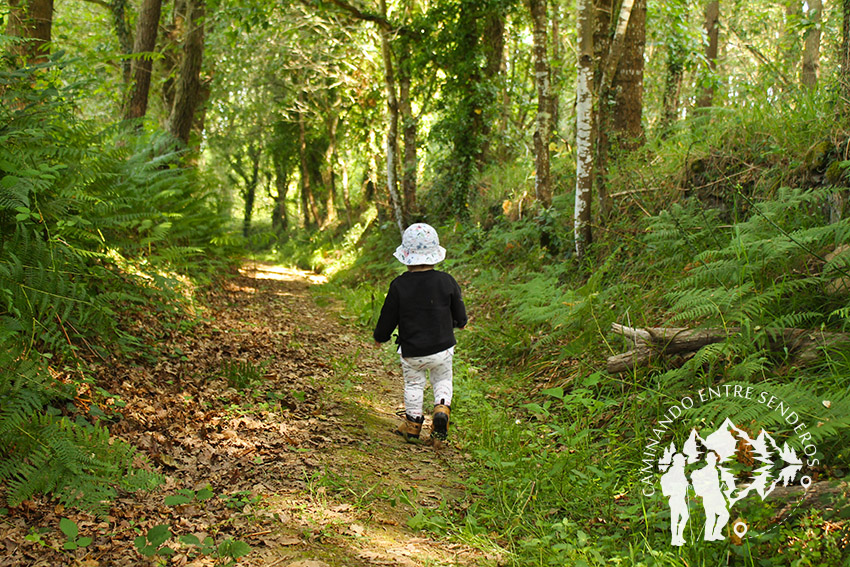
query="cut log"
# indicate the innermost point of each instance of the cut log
(805, 345)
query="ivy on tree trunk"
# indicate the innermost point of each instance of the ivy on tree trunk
(187, 90)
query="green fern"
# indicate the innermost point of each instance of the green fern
(758, 276)
(42, 451)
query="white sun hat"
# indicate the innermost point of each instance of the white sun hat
(420, 245)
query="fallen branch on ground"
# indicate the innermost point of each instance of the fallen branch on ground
(804, 345)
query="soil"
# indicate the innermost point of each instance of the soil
(274, 418)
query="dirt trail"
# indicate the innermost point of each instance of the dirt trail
(362, 480)
(273, 421)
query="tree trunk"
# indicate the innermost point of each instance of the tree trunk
(787, 48)
(118, 9)
(584, 127)
(346, 194)
(844, 59)
(493, 46)
(811, 48)
(555, 68)
(712, 32)
(32, 21)
(650, 343)
(609, 98)
(330, 170)
(187, 89)
(392, 129)
(308, 201)
(251, 180)
(370, 179)
(408, 121)
(174, 37)
(672, 86)
(628, 80)
(280, 218)
(542, 181)
(675, 67)
(146, 31)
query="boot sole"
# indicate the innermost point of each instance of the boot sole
(409, 437)
(441, 425)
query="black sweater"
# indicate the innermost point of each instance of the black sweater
(426, 307)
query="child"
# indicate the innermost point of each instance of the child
(426, 306)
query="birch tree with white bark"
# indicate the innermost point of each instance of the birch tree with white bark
(584, 127)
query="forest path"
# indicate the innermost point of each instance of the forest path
(360, 481)
(287, 415)
(270, 422)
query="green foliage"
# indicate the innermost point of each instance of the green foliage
(242, 374)
(71, 531)
(44, 451)
(90, 220)
(186, 496)
(463, 48)
(153, 543)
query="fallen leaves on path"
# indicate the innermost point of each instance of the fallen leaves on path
(270, 423)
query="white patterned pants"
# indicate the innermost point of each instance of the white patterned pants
(416, 370)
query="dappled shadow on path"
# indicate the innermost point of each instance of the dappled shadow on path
(285, 415)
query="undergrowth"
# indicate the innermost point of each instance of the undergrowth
(738, 233)
(97, 225)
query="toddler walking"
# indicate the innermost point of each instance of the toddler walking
(426, 306)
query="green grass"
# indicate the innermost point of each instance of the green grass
(557, 442)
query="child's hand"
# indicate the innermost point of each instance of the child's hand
(377, 344)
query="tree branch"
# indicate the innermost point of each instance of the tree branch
(762, 57)
(617, 43)
(355, 12)
(107, 5)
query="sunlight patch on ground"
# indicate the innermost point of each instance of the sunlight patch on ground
(271, 272)
(333, 534)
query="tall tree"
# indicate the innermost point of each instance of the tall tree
(187, 89)
(118, 9)
(392, 119)
(787, 47)
(620, 91)
(557, 64)
(712, 34)
(145, 42)
(811, 48)
(329, 171)
(492, 45)
(677, 54)
(250, 176)
(844, 59)
(584, 127)
(388, 32)
(308, 199)
(628, 80)
(542, 181)
(30, 21)
(284, 154)
(409, 162)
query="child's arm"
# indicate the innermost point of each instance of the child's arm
(388, 320)
(458, 308)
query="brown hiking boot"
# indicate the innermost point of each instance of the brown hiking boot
(440, 421)
(410, 428)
